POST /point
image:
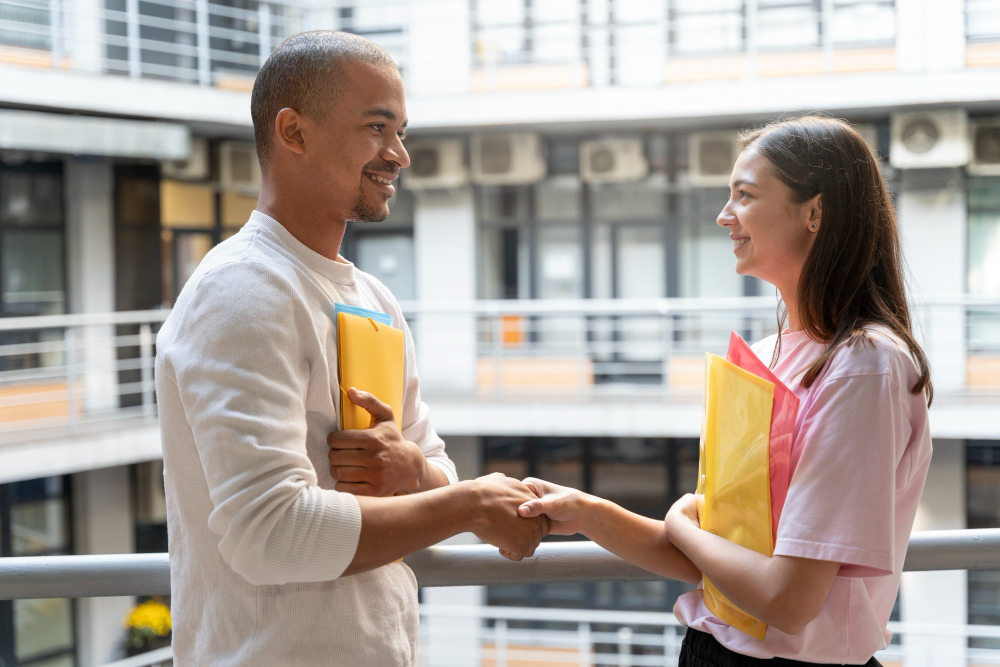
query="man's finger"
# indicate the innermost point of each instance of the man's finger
(379, 411)
(352, 474)
(358, 489)
(349, 457)
(350, 439)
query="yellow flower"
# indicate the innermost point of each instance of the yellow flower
(151, 616)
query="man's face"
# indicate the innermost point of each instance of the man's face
(359, 149)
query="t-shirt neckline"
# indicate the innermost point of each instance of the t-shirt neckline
(341, 273)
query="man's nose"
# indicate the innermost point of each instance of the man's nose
(396, 152)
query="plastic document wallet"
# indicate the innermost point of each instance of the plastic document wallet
(783, 416)
(370, 357)
(734, 475)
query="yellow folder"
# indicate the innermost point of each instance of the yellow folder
(370, 356)
(734, 472)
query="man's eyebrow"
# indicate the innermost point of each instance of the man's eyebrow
(388, 114)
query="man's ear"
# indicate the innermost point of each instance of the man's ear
(289, 130)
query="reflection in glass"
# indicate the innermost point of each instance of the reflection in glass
(39, 527)
(32, 280)
(30, 198)
(189, 250)
(41, 627)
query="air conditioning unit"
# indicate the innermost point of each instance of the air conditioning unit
(712, 156)
(985, 140)
(435, 163)
(507, 159)
(195, 168)
(612, 161)
(238, 166)
(923, 140)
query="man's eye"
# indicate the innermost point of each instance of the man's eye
(377, 126)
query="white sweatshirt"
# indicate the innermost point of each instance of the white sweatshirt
(246, 381)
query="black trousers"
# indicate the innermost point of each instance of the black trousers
(701, 649)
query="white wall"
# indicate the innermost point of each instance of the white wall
(444, 232)
(939, 598)
(103, 524)
(931, 35)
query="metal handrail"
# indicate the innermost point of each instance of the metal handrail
(474, 565)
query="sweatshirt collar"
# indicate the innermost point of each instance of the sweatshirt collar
(341, 273)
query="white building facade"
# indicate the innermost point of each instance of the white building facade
(554, 244)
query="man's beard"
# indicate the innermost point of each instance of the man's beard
(363, 211)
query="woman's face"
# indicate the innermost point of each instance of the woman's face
(771, 234)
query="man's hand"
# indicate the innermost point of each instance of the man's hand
(498, 522)
(377, 461)
(566, 508)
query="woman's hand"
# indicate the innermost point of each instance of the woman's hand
(566, 508)
(683, 514)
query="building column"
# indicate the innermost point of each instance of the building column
(102, 524)
(933, 224)
(450, 640)
(444, 234)
(938, 598)
(90, 271)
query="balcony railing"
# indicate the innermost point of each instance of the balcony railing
(77, 373)
(504, 634)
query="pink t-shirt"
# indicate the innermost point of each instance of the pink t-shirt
(859, 460)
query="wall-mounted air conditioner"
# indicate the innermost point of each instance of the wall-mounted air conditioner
(712, 156)
(195, 168)
(985, 140)
(507, 159)
(924, 140)
(612, 161)
(435, 163)
(238, 166)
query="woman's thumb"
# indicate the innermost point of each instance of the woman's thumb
(531, 508)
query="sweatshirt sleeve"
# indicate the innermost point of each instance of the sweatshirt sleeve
(241, 368)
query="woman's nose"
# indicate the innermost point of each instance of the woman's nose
(726, 218)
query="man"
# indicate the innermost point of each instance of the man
(285, 537)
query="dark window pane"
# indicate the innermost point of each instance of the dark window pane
(30, 198)
(983, 511)
(32, 266)
(39, 527)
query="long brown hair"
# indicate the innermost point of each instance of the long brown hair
(853, 276)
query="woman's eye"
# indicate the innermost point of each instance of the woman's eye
(743, 194)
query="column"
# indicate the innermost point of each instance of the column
(444, 232)
(456, 641)
(90, 271)
(933, 225)
(103, 524)
(938, 598)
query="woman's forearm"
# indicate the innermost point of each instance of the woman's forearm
(637, 539)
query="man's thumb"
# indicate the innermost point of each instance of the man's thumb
(377, 409)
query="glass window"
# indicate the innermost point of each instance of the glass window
(42, 627)
(706, 260)
(982, 20)
(627, 202)
(782, 24)
(983, 250)
(187, 205)
(30, 198)
(502, 203)
(39, 527)
(559, 198)
(32, 272)
(632, 472)
(389, 257)
(983, 511)
(864, 22)
(706, 26)
(560, 262)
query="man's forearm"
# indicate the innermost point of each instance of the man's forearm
(394, 527)
(639, 540)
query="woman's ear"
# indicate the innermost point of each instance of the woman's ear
(813, 212)
(288, 130)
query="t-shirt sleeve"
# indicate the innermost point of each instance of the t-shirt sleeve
(242, 375)
(841, 500)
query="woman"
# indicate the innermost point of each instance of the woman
(809, 213)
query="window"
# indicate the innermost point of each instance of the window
(983, 511)
(983, 250)
(700, 27)
(35, 521)
(864, 22)
(982, 20)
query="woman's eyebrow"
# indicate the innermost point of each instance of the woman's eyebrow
(742, 181)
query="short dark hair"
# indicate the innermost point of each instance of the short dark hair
(305, 73)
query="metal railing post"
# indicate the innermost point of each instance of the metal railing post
(55, 32)
(72, 404)
(624, 647)
(584, 643)
(204, 47)
(500, 643)
(134, 47)
(146, 370)
(263, 31)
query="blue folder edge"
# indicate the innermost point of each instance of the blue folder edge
(383, 318)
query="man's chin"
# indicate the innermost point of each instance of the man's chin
(366, 211)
